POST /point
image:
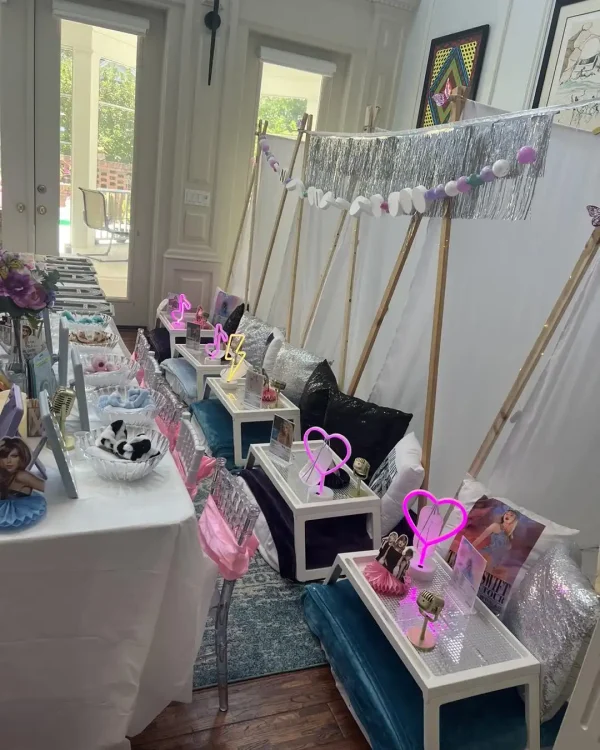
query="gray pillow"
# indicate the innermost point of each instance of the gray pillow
(257, 333)
(181, 376)
(553, 613)
(294, 367)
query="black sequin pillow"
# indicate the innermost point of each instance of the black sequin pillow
(231, 324)
(315, 397)
(372, 430)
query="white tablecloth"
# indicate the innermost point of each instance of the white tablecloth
(102, 609)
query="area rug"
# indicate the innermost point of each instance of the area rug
(267, 630)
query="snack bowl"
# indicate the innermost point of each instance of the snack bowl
(137, 417)
(124, 369)
(81, 337)
(109, 466)
(93, 321)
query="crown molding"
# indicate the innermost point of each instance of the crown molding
(400, 4)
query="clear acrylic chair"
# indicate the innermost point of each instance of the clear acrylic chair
(189, 452)
(240, 514)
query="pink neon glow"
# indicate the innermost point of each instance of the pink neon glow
(430, 542)
(313, 460)
(220, 337)
(184, 306)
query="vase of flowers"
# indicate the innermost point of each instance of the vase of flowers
(26, 289)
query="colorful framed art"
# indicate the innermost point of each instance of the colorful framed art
(454, 60)
(570, 69)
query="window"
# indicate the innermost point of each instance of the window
(285, 95)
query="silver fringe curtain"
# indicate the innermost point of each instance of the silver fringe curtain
(350, 166)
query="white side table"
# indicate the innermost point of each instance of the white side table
(295, 493)
(240, 413)
(178, 330)
(475, 652)
(197, 359)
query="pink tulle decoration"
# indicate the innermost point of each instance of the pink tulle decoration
(383, 582)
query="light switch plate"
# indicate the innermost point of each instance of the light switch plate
(197, 198)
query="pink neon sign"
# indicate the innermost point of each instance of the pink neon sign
(314, 461)
(213, 350)
(437, 540)
(183, 306)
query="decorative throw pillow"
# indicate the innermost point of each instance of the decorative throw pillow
(294, 367)
(315, 396)
(181, 376)
(371, 429)
(400, 473)
(554, 614)
(231, 324)
(223, 305)
(257, 333)
(274, 343)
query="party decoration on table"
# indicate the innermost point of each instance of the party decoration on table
(21, 491)
(361, 468)
(214, 350)
(94, 338)
(183, 305)
(12, 412)
(467, 575)
(100, 363)
(277, 386)
(137, 398)
(282, 438)
(41, 374)
(62, 403)
(254, 389)
(594, 213)
(79, 385)
(96, 321)
(320, 466)
(426, 534)
(272, 160)
(53, 438)
(116, 439)
(202, 317)
(388, 573)
(236, 357)
(430, 606)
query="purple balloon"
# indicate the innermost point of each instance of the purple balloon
(430, 195)
(440, 192)
(264, 146)
(527, 155)
(463, 185)
(487, 174)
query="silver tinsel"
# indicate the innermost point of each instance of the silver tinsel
(369, 164)
(294, 367)
(553, 613)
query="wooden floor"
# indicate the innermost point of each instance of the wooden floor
(288, 712)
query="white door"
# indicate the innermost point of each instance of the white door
(96, 96)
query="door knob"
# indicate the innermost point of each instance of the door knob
(42, 210)
(41, 188)
(20, 207)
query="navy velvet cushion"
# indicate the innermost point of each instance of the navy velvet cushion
(217, 426)
(160, 343)
(387, 700)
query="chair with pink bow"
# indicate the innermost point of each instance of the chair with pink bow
(226, 529)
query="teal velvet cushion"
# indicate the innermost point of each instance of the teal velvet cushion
(217, 426)
(387, 700)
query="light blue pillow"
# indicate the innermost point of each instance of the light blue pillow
(181, 376)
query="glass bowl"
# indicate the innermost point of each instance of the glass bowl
(85, 338)
(74, 321)
(126, 369)
(109, 466)
(143, 417)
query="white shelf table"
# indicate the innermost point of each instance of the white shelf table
(197, 358)
(178, 330)
(475, 652)
(344, 502)
(241, 413)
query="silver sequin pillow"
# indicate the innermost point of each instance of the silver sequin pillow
(256, 332)
(553, 613)
(294, 367)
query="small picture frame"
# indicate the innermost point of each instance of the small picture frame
(54, 439)
(194, 336)
(282, 438)
(255, 383)
(79, 383)
(34, 418)
(467, 575)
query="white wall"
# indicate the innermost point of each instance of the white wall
(518, 31)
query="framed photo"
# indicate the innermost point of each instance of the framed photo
(253, 391)
(194, 336)
(570, 69)
(282, 437)
(469, 568)
(454, 60)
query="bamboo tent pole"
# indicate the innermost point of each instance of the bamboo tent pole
(560, 307)
(252, 184)
(279, 215)
(262, 129)
(298, 233)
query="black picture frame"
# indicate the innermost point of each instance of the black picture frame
(558, 6)
(473, 85)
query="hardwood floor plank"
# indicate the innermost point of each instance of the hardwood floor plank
(348, 727)
(250, 700)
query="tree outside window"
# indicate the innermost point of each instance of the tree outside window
(282, 112)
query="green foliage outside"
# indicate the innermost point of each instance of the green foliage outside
(116, 109)
(282, 112)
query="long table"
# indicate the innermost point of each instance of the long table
(102, 608)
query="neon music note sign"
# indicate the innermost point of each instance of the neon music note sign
(213, 350)
(183, 307)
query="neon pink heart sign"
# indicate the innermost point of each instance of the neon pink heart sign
(427, 543)
(314, 461)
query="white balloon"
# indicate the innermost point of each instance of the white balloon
(406, 201)
(376, 201)
(452, 189)
(342, 204)
(312, 195)
(295, 184)
(418, 198)
(360, 205)
(327, 200)
(394, 206)
(501, 168)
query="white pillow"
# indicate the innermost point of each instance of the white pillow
(267, 547)
(470, 492)
(400, 473)
(273, 350)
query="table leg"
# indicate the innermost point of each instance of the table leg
(334, 573)
(251, 460)
(532, 713)
(376, 529)
(300, 547)
(237, 443)
(172, 337)
(431, 725)
(297, 429)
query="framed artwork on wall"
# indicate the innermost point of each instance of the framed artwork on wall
(570, 69)
(454, 60)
